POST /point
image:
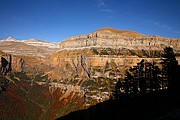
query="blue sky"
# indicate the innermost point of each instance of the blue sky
(56, 20)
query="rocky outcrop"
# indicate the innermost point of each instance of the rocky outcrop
(29, 64)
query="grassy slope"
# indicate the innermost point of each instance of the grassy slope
(23, 101)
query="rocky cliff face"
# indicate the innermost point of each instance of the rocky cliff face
(113, 38)
(124, 47)
(97, 60)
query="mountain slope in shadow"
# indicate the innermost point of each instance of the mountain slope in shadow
(152, 106)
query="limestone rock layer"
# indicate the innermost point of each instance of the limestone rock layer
(113, 38)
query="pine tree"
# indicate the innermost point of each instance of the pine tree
(142, 77)
(127, 82)
(169, 69)
(155, 77)
(134, 80)
(116, 93)
(148, 75)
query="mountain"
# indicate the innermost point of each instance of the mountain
(30, 47)
(10, 39)
(113, 38)
(127, 33)
(107, 45)
(41, 43)
(96, 61)
(75, 74)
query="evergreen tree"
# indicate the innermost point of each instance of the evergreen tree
(127, 82)
(148, 75)
(142, 77)
(116, 93)
(155, 77)
(134, 80)
(169, 69)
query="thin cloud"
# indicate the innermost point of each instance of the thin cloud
(166, 27)
(17, 18)
(178, 32)
(127, 13)
(106, 10)
(163, 26)
(101, 3)
(103, 7)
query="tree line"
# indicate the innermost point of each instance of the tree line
(148, 77)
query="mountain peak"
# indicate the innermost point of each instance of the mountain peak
(122, 32)
(108, 29)
(10, 39)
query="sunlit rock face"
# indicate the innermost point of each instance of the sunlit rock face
(124, 47)
(113, 38)
(96, 61)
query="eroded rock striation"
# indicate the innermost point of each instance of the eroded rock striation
(96, 61)
(113, 38)
(124, 47)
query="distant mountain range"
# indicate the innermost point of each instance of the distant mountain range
(30, 47)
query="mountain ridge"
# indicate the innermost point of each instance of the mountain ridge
(112, 30)
(114, 38)
(31, 47)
